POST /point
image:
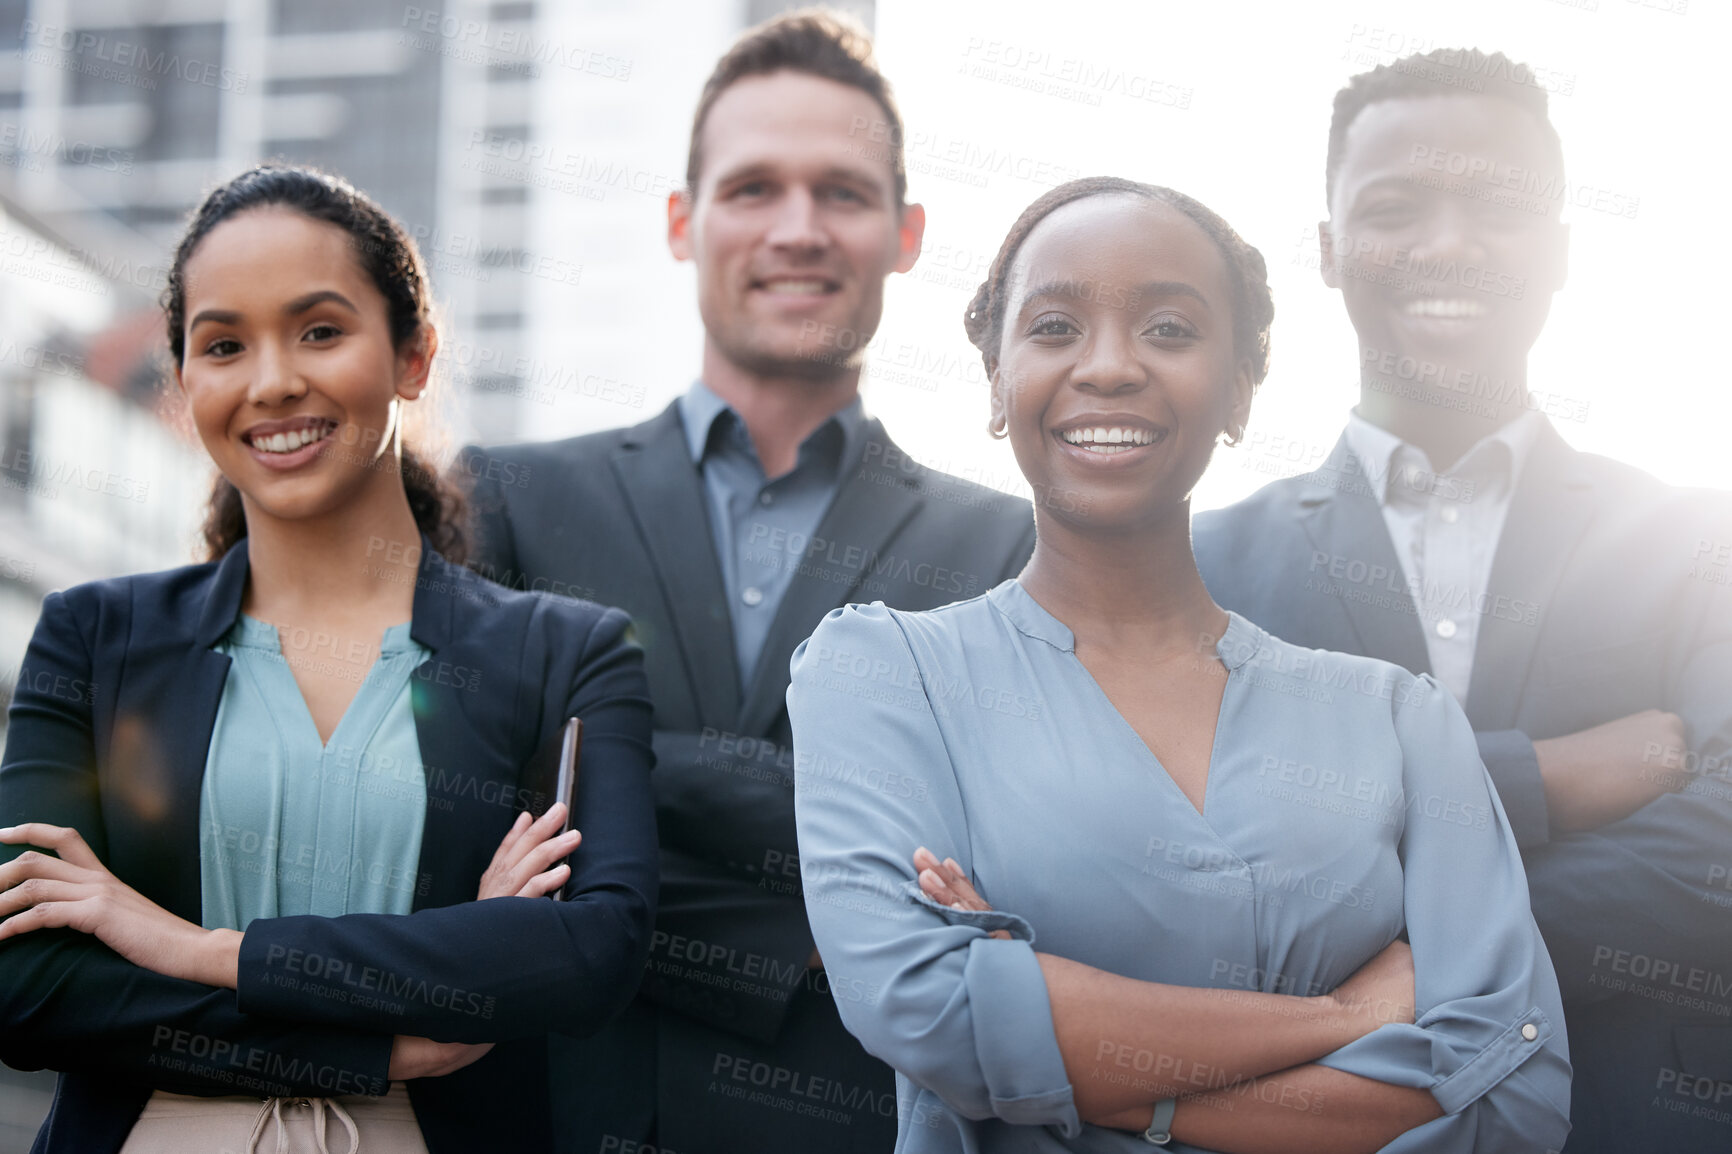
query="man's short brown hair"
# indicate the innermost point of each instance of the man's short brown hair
(818, 42)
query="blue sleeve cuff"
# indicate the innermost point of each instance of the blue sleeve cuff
(1497, 1061)
(1515, 770)
(1437, 1054)
(1013, 1036)
(1014, 1041)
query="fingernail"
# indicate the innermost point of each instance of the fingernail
(8, 831)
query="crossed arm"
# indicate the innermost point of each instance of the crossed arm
(1253, 1053)
(70, 888)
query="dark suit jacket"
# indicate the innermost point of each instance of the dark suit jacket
(108, 733)
(728, 1008)
(1604, 600)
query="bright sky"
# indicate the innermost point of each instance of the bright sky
(1230, 102)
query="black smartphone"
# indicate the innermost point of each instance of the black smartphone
(565, 786)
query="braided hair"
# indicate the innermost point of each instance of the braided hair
(390, 259)
(1253, 305)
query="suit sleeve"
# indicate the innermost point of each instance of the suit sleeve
(493, 553)
(727, 799)
(1489, 1040)
(1647, 887)
(1515, 769)
(731, 944)
(68, 1002)
(727, 951)
(489, 971)
(962, 1014)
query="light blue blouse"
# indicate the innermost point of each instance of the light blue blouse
(292, 825)
(1345, 801)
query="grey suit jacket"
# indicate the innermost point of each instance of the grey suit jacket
(1609, 594)
(620, 517)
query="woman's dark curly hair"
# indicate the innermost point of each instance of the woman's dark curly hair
(388, 255)
(1253, 306)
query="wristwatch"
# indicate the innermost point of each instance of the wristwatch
(1160, 1131)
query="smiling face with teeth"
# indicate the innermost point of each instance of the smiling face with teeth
(1117, 369)
(1439, 254)
(290, 371)
(793, 227)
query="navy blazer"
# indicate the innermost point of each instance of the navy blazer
(1609, 594)
(109, 732)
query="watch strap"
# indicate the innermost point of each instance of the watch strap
(1160, 1131)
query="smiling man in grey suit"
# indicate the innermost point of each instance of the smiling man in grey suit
(1577, 607)
(728, 526)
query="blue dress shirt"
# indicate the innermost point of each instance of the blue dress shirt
(764, 529)
(1345, 803)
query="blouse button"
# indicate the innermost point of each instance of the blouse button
(1530, 1032)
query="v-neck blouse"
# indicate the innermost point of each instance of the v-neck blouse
(290, 824)
(1346, 802)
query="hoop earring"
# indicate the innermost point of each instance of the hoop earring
(1232, 437)
(997, 429)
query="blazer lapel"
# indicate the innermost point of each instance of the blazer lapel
(457, 761)
(664, 492)
(871, 506)
(1341, 517)
(162, 734)
(1548, 514)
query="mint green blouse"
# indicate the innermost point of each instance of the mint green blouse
(289, 825)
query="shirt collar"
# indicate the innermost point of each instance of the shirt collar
(1375, 447)
(1519, 438)
(1509, 446)
(851, 419)
(700, 407)
(1241, 642)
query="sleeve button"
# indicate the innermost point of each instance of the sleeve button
(1530, 1032)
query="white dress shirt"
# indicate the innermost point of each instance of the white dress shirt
(1445, 527)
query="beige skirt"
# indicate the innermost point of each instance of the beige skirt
(346, 1124)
